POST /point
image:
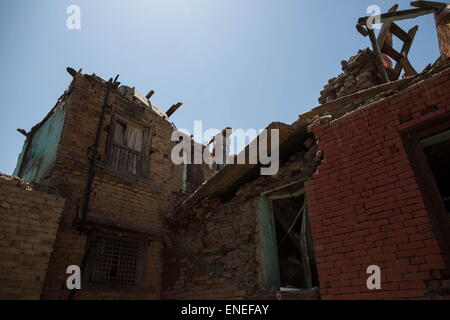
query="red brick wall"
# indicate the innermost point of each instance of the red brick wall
(365, 204)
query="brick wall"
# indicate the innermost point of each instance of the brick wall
(122, 203)
(29, 216)
(365, 204)
(214, 254)
(182, 279)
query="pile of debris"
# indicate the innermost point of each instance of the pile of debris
(360, 72)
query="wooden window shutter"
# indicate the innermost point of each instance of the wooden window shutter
(146, 149)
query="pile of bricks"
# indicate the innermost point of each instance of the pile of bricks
(360, 72)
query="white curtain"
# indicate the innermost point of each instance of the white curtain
(130, 137)
(133, 138)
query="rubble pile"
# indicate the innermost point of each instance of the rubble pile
(360, 72)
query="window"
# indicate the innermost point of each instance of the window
(114, 260)
(286, 243)
(128, 147)
(428, 147)
(437, 152)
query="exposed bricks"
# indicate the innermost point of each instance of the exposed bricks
(28, 225)
(392, 228)
(120, 203)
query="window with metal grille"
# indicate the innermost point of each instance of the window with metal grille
(114, 260)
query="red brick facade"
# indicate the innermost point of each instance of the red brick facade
(365, 204)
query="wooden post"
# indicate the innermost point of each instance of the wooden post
(378, 58)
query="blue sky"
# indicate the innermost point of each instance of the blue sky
(238, 63)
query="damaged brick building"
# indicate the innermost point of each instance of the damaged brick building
(363, 180)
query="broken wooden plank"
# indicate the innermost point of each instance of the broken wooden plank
(398, 15)
(378, 58)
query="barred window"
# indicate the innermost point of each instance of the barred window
(114, 260)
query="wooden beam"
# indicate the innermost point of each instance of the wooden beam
(304, 250)
(399, 32)
(149, 94)
(378, 58)
(429, 5)
(173, 108)
(405, 49)
(361, 29)
(355, 97)
(399, 15)
(391, 52)
(438, 138)
(386, 28)
(409, 69)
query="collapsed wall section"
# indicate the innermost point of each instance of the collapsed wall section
(359, 73)
(214, 251)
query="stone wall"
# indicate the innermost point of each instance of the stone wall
(29, 217)
(214, 252)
